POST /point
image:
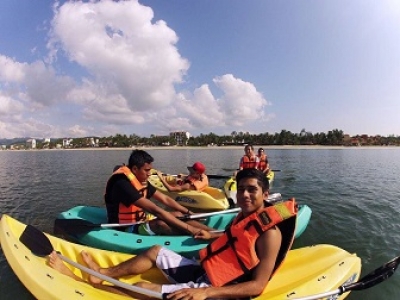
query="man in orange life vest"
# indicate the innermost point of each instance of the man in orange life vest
(127, 199)
(263, 164)
(197, 179)
(262, 235)
(249, 160)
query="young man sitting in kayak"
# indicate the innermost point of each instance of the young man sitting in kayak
(127, 199)
(249, 160)
(197, 180)
(237, 264)
(263, 158)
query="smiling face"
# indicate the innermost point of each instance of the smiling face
(250, 195)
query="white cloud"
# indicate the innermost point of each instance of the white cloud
(241, 101)
(9, 108)
(127, 54)
(10, 70)
(110, 66)
(43, 86)
(239, 104)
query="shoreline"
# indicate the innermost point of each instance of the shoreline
(241, 147)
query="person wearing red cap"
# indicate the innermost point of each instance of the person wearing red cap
(196, 180)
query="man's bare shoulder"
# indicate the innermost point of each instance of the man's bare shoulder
(272, 238)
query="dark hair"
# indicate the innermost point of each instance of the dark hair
(138, 158)
(260, 149)
(253, 173)
(249, 146)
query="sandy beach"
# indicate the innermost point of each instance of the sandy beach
(267, 147)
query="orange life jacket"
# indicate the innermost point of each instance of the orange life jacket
(232, 257)
(132, 213)
(249, 162)
(263, 162)
(199, 184)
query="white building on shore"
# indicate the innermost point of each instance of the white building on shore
(30, 144)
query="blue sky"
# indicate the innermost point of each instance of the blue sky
(82, 68)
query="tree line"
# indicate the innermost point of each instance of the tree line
(333, 137)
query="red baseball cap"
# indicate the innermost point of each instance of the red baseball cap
(197, 167)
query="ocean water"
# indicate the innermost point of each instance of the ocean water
(353, 192)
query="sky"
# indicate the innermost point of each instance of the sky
(101, 68)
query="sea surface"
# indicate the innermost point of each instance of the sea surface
(353, 192)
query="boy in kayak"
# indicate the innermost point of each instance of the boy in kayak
(263, 158)
(197, 180)
(249, 160)
(237, 264)
(127, 198)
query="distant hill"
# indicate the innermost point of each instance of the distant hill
(20, 140)
(13, 141)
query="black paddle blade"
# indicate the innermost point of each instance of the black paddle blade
(73, 226)
(211, 176)
(375, 277)
(36, 241)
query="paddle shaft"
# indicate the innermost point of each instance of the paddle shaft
(124, 285)
(272, 198)
(40, 245)
(371, 279)
(215, 176)
(82, 225)
(367, 281)
(183, 218)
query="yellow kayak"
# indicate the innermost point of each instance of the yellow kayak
(210, 199)
(306, 271)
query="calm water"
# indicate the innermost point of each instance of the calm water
(354, 194)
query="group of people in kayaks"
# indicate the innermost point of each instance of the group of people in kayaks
(237, 263)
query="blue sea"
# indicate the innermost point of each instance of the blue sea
(353, 192)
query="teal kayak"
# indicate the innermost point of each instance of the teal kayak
(91, 233)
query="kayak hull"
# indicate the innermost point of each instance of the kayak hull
(210, 199)
(112, 239)
(116, 240)
(306, 271)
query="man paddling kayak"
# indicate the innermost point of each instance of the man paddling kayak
(127, 200)
(237, 264)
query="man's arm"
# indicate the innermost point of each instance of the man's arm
(173, 188)
(268, 245)
(166, 216)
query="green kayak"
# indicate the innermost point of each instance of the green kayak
(87, 225)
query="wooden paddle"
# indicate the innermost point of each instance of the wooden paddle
(78, 226)
(40, 245)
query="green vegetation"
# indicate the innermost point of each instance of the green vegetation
(331, 138)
